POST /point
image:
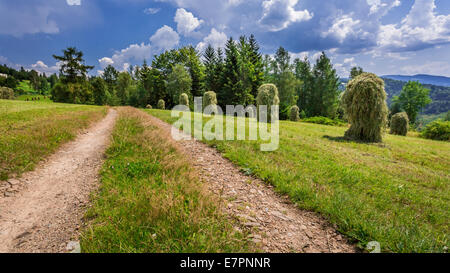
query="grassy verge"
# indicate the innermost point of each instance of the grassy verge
(396, 193)
(151, 200)
(30, 131)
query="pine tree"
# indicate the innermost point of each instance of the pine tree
(110, 75)
(210, 62)
(304, 92)
(245, 67)
(285, 80)
(324, 101)
(191, 60)
(73, 68)
(232, 91)
(282, 61)
(257, 71)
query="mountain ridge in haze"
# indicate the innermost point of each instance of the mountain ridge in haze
(422, 78)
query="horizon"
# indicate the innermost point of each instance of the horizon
(386, 37)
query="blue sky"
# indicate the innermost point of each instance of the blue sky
(382, 36)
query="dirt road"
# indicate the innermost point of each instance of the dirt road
(276, 224)
(44, 213)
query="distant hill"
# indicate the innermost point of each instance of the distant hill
(439, 94)
(422, 78)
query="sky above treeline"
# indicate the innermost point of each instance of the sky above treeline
(382, 36)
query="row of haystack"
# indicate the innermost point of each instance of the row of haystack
(364, 103)
(209, 98)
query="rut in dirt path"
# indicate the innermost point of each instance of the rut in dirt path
(277, 225)
(45, 213)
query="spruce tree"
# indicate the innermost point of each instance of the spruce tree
(326, 88)
(245, 68)
(210, 61)
(257, 70)
(304, 92)
(232, 92)
(73, 68)
(285, 80)
(191, 60)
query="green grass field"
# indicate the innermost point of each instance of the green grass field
(151, 200)
(30, 131)
(396, 193)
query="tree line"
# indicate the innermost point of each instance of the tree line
(234, 73)
(41, 83)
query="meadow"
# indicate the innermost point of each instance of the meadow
(30, 131)
(396, 193)
(151, 199)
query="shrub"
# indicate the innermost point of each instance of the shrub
(324, 121)
(437, 130)
(400, 124)
(78, 93)
(6, 93)
(365, 107)
(112, 99)
(302, 114)
(294, 114)
(183, 100)
(209, 98)
(161, 105)
(267, 95)
(148, 106)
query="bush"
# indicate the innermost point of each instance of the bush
(324, 121)
(209, 98)
(437, 130)
(183, 100)
(267, 95)
(400, 124)
(6, 93)
(294, 114)
(161, 105)
(148, 106)
(112, 99)
(77, 93)
(365, 107)
(302, 114)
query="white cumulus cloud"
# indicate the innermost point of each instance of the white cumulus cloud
(215, 38)
(165, 38)
(420, 29)
(41, 67)
(279, 14)
(342, 27)
(121, 59)
(186, 22)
